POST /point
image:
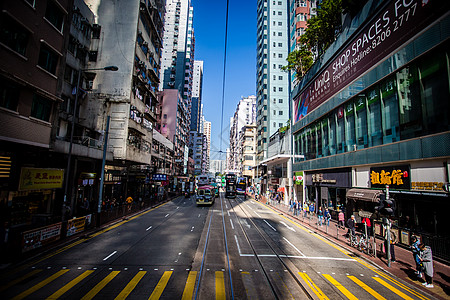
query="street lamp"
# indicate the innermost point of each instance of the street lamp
(66, 178)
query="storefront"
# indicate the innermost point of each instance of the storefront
(327, 189)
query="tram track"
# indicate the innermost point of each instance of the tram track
(279, 254)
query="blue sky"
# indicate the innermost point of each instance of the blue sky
(240, 80)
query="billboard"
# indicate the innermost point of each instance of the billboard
(397, 23)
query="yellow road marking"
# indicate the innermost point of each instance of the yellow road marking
(401, 294)
(367, 288)
(16, 281)
(220, 285)
(70, 285)
(189, 287)
(91, 294)
(131, 285)
(340, 287)
(40, 285)
(313, 286)
(81, 241)
(160, 286)
(415, 293)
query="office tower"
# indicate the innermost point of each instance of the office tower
(272, 82)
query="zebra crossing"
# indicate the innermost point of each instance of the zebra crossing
(86, 284)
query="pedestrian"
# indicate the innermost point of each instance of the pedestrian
(394, 240)
(351, 224)
(295, 208)
(341, 218)
(311, 208)
(416, 254)
(368, 224)
(129, 202)
(427, 261)
(327, 216)
(320, 216)
(85, 206)
(291, 205)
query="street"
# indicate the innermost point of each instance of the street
(235, 249)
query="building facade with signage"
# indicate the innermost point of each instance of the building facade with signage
(374, 112)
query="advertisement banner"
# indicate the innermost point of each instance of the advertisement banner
(298, 177)
(75, 226)
(40, 179)
(389, 30)
(39, 237)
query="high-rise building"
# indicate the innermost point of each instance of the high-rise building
(271, 81)
(128, 96)
(197, 95)
(207, 133)
(244, 115)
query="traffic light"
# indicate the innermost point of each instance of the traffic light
(389, 207)
(380, 205)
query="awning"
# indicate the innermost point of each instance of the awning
(363, 194)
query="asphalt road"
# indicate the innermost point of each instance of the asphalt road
(234, 249)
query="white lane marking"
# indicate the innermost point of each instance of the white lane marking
(248, 206)
(192, 229)
(148, 228)
(226, 206)
(178, 207)
(178, 257)
(269, 225)
(289, 227)
(228, 212)
(231, 221)
(257, 214)
(237, 244)
(166, 216)
(110, 255)
(294, 246)
(198, 216)
(312, 257)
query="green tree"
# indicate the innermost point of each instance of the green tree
(299, 61)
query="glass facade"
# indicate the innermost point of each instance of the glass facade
(411, 102)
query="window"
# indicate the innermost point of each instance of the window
(274, 89)
(280, 55)
(280, 100)
(350, 131)
(274, 112)
(54, 15)
(274, 33)
(280, 13)
(409, 102)
(274, 124)
(274, 44)
(280, 124)
(361, 123)
(280, 113)
(374, 118)
(280, 89)
(280, 44)
(41, 108)
(280, 77)
(274, 101)
(274, 13)
(279, 3)
(280, 66)
(13, 35)
(280, 33)
(389, 111)
(48, 59)
(9, 94)
(274, 77)
(280, 23)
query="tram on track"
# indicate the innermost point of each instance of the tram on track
(205, 195)
(230, 185)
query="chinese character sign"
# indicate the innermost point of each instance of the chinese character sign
(37, 179)
(395, 176)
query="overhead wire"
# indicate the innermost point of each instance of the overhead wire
(224, 72)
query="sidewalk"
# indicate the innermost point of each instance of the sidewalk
(403, 268)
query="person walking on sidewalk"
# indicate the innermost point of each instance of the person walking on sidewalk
(427, 261)
(394, 240)
(327, 216)
(341, 218)
(416, 254)
(351, 224)
(320, 216)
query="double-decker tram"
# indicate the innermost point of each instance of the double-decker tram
(241, 186)
(230, 185)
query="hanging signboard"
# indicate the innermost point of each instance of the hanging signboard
(397, 177)
(40, 179)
